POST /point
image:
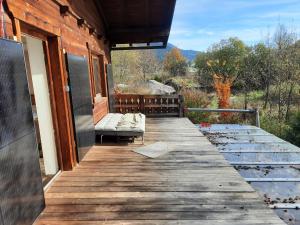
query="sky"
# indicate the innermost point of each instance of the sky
(197, 24)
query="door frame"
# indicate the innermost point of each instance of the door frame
(59, 98)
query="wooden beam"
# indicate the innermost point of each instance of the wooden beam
(169, 21)
(63, 9)
(101, 13)
(64, 117)
(157, 31)
(137, 48)
(80, 22)
(124, 12)
(147, 13)
(17, 29)
(99, 36)
(137, 39)
(91, 30)
(2, 20)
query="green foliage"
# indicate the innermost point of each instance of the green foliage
(224, 59)
(195, 99)
(227, 56)
(158, 78)
(273, 125)
(293, 134)
(186, 82)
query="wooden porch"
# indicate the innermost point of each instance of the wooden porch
(193, 184)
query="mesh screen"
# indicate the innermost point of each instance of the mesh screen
(21, 191)
(81, 103)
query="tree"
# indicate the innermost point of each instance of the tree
(257, 71)
(124, 65)
(265, 68)
(203, 71)
(148, 63)
(175, 63)
(294, 133)
(288, 69)
(225, 62)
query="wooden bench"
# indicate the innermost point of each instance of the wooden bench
(117, 124)
(120, 125)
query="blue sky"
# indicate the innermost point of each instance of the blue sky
(197, 24)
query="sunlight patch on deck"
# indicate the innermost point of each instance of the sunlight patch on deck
(155, 150)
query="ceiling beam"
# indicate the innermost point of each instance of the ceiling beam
(158, 31)
(124, 12)
(172, 11)
(137, 48)
(101, 13)
(147, 13)
(116, 13)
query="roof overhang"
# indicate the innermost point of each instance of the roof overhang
(137, 24)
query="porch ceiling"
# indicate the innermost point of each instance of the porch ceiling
(137, 21)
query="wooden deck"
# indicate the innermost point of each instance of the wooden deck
(191, 185)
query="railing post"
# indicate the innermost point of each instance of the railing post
(181, 105)
(257, 119)
(142, 103)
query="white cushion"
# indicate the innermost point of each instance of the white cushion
(109, 122)
(118, 122)
(132, 122)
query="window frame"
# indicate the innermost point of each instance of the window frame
(101, 75)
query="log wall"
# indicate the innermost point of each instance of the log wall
(60, 21)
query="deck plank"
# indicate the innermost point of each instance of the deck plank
(193, 184)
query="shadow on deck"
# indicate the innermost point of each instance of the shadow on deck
(193, 184)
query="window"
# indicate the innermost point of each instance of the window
(96, 76)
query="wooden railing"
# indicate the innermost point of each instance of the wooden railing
(255, 112)
(150, 105)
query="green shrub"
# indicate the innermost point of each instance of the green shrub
(196, 99)
(273, 125)
(293, 135)
(158, 78)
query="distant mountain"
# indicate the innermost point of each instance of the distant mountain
(189, 54)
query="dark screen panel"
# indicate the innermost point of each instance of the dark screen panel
(21, 191)
(81, 103)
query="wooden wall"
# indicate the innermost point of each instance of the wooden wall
(45, 15)
(58, 19)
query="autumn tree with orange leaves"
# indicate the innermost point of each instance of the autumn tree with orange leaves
(175, 63)
(225, 59)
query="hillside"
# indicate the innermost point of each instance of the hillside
(189, 54)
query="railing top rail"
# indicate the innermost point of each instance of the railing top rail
(222, 110)
(254, 111)
(149, 95)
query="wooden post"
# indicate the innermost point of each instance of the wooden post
(181, 105)
(142, 103)
(257, 118)
(63, 108)
(17, 29)
(2, 22)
